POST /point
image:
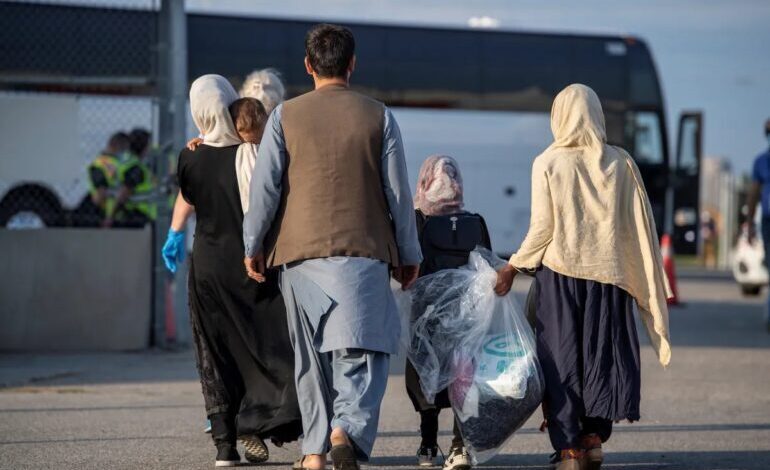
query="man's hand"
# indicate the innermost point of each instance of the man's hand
(255, 267)
(406, 275)
(505, 277)
(194, 143)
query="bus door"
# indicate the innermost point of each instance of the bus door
(686, 184)
(645, 137)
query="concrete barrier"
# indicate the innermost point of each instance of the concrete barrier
(75, 289)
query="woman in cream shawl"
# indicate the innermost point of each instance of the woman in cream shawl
(594, 249)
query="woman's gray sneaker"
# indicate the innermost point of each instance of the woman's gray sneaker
(256, 450)
(458, 459)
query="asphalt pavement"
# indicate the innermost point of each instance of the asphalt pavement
(709, 410)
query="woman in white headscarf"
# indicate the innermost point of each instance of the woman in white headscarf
(266, 86)
(448, 233)
(244, 356)
(593, 246)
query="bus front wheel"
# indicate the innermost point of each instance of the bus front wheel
(30, 206)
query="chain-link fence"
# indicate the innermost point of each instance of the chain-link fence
(86, 87)
(78, 88)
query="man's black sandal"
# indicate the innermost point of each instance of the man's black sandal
(344, 458)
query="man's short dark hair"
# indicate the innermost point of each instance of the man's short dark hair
(139, 141)
(119, 141)
(329, 49)
(767, 127)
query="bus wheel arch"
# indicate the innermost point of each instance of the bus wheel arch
(31, 200)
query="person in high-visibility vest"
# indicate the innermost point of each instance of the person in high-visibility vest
(135, 205)
(103, 181)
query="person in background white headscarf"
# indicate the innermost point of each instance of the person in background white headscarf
(266, 86)
(594, 248)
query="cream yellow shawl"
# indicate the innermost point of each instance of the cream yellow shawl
(591, 218)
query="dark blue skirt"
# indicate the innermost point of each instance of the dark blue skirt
(589, 351)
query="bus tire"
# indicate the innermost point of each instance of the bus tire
(35, 199)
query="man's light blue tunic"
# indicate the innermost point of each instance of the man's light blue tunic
(341, 309)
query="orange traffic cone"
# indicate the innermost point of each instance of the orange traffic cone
(667, 251)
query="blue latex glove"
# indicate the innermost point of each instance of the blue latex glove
(173, 250)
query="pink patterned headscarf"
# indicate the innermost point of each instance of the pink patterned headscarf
(439, 186)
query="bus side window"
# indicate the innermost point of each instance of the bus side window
(646, 138)
(689, 154)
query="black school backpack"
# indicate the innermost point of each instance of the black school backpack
(447, 240)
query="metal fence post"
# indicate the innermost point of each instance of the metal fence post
(172, 93)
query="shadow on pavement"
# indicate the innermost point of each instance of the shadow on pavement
(91, 368)
(733, 460)
(631, 428)
(97, 408)
(723, 325)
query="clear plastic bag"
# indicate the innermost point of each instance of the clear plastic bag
(462, 336)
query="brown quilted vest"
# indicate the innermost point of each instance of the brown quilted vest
(333, 202)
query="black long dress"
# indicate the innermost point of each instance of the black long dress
(244, 356)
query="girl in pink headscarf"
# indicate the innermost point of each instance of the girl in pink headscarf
(439, 187)
(447, 234)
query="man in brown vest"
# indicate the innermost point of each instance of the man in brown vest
(330, 205)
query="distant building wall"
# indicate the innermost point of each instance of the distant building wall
(718, 202)
(75, 289)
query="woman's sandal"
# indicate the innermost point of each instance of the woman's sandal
(256, 450)
(593, 456)
(344, 458)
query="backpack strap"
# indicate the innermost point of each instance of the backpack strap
(421, 219)
(487, 242)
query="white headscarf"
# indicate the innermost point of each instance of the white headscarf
(591, 217)
(266, 86)
(210, 96)
(439, 186)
